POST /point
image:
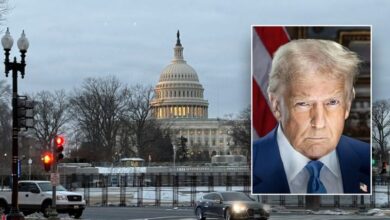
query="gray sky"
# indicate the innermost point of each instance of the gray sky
(134, 40)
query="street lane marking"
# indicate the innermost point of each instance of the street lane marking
(166, 217)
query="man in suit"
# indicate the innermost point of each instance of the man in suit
(310, 94)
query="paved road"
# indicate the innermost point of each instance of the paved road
(152, 213)
(135, 213)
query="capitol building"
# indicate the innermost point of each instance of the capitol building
(180, 104)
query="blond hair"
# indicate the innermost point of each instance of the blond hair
(307, 56)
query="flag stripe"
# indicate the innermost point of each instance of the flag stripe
(262, 114)
(272, 37)
(262, 64)
(266, 40)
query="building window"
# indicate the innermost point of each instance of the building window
(185, 113)
(213, 142)
(160, 113)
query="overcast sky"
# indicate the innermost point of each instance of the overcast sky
(134, 40)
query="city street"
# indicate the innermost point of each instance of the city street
(135, 213)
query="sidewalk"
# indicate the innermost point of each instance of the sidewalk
(336, 211)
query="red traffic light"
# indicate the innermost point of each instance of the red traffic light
(47, 159)
(59, 140)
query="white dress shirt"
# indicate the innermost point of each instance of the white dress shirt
(298, 176)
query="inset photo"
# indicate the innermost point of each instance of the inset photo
(311, 110)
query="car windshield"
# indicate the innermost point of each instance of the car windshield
(46, 186)
(235, 196)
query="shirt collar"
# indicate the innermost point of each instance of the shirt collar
(331, 162)
(294, 162)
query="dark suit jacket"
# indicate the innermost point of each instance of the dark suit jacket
(268, 175)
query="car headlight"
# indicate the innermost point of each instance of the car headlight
(61, 197)
(237, 208)
(267, 207)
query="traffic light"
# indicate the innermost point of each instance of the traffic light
(25, 112)
(59, 141)
(47, 159)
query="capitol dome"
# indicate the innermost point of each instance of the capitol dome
(179, 94)
(179, 72)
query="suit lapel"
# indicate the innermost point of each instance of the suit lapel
(349, 166)
(270, 174)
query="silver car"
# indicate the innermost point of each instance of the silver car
(230, 205)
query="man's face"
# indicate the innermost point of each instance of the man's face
(312, 110)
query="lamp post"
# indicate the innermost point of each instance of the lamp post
(2, 174)
(7, 42)
(174, 157)
(29, 168)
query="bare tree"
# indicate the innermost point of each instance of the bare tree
(97, 109)
(381, 125)
(4, 9)
(5, 117)
(50, 115)
(137, 121)
(241, 129)
(142, 135)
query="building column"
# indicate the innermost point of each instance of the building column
(210, 140)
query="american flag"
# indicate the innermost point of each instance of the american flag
(265, 41)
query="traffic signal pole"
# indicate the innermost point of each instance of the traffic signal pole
(14, 212)
(56, 148)
(53, 215)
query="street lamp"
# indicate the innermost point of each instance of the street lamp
(2, 173)
(174, 157)
(7, 42)
(29, 168)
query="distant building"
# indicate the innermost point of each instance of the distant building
(179, 102)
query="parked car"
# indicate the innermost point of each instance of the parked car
(35, 196)
(230, 205)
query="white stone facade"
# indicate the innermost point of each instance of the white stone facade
(203, 134)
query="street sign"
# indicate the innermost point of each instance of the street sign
(55, 179)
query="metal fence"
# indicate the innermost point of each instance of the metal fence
(183, 189)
